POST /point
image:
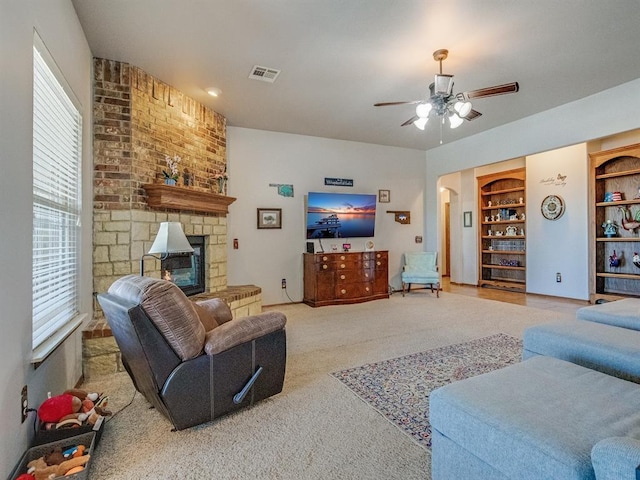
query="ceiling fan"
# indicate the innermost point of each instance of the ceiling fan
(444, 104)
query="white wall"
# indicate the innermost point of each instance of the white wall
(590, 118)
(58, 26)
(257, 158)
(561, 245)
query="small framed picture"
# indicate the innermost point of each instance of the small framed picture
(384, 196)
(466, 219)
(269, 218)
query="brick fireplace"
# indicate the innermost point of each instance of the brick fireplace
(138, 120)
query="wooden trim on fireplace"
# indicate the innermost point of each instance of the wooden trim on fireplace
(182, 198)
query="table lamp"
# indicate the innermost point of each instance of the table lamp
(170, 239)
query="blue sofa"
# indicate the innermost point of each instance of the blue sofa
(543, 418)
(567, 411)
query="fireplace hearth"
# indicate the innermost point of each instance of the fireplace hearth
(186, 270)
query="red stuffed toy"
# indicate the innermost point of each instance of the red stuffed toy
(54, 408)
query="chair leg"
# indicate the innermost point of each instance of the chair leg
(438, 290)
(403, 285)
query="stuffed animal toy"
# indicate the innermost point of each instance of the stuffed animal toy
(70, 409)
(41, 471)
(55, 408)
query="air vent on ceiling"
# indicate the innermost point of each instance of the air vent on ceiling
(264, 74)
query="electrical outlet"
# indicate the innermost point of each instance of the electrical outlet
(284, 283)
(24, 403)
(558, 277)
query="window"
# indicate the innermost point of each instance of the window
(57, 134)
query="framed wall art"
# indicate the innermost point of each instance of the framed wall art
(269, 218)
(384, 196)
(466, 219)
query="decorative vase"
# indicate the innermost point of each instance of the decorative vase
(170, 181)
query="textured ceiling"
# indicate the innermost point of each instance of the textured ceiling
(339, 57)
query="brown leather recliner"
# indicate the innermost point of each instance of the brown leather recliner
(191, 360)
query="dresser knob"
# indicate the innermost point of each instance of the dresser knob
(342, 265)
(366, 264)
(378, 263)
(342, 257)
(342, 277)
(324, 267)
(366, 275)
(378, 255)
(343, 291)
(367, 289)
(324, 259)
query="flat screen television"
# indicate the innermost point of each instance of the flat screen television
(340, 215)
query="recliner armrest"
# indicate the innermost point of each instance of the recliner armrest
(616, 458)
(242, 330)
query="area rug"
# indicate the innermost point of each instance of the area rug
(399, 388)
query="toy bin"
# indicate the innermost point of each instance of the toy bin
(46, 436)
(86, 439)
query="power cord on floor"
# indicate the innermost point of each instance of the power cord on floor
(287, 294)
(127, 405)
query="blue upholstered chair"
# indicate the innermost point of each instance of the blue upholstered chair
(422, 268)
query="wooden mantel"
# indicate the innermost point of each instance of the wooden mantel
(182, 198)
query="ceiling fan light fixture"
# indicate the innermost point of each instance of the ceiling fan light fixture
(423, 109)
(443, 84)
(421, 122)
(454, 120)
(462, 108)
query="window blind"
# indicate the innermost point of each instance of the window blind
(57, 134)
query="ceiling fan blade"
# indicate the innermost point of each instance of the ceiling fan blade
(386, 104)
(410, 121)
(492, 91)
(473, 114)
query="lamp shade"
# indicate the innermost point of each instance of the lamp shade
(421, 122)
(423, 109)
(463, 108)
(454, 120)
(170, 239)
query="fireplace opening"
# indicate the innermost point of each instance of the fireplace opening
(186, 270)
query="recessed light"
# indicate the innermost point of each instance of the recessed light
(213, 91)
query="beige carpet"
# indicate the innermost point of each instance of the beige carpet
(316, 428)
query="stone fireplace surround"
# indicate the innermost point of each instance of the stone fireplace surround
(137, 121)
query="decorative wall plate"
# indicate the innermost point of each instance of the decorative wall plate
(369, 245)
(552, 207)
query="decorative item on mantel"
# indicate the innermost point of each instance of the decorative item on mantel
(171, 177)
(221, 180)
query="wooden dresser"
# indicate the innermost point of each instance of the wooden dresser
(342, 278)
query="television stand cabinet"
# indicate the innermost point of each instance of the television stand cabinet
(344, 278)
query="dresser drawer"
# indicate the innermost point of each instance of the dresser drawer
(355, 276)
(354, 290)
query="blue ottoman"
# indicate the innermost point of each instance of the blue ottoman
(536, 420)
(608, 349)
(621, 313)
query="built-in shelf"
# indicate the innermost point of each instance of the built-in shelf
(613, 171)
(186, 199)
(504, 191)
(618, 239)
